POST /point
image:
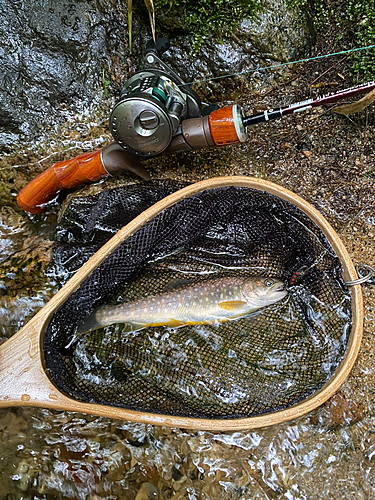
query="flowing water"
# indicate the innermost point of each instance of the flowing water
(329, 453)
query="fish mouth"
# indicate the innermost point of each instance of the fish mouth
(279, 291)
(279, 286)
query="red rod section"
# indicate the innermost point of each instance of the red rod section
(272, 114)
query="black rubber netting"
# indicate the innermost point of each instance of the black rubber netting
(266, 361)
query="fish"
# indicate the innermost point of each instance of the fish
(211, 301)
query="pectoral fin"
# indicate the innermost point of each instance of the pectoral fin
(232, 305)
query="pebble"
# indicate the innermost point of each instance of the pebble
(147, 492)
(338, 411)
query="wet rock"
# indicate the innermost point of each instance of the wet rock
(52, 54)
(277, 35)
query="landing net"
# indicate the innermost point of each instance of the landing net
(257, 364)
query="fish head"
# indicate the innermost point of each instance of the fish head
(263, 291)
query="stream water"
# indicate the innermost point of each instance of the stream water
(329, 453)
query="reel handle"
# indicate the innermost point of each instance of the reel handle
(158, 47)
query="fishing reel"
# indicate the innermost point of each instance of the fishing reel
(157, 113)
(152, 105)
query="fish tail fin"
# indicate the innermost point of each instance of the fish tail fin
(91, 322)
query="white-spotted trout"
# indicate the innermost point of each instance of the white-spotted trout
(211, 301)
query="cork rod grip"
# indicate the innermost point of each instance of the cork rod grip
(62, 175)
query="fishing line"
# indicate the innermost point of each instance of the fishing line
(300, 274)
(273, 66)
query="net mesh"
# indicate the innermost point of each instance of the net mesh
(259, 363)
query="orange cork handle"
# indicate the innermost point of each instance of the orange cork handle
(226, 126)
(62, 175)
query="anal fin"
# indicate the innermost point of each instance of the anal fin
(174, 323)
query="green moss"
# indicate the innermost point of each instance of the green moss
(361, 13)
(210, 17)
(317, 10)
(356, 20)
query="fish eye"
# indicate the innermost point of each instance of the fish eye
(269, 282)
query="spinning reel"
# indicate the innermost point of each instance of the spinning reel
(152, 105)
(157, 113)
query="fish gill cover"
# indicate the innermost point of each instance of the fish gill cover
(259, 363)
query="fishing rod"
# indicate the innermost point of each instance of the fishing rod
(157, 114)
(297, 107)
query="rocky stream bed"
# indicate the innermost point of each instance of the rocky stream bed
(327, 159)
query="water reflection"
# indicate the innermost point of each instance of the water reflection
(72, 456)
(25, 250)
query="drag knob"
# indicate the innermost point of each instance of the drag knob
(148, 119)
